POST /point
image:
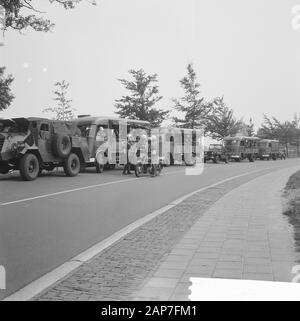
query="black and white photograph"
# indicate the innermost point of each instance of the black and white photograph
(149, 151)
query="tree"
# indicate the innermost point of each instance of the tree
(63, 109)
(287, 132)
(15, 17)
(268, 129)
(222, 122)
(6, 96)
(196, 111)
(144, 94)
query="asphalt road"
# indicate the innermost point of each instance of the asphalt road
(48, 221)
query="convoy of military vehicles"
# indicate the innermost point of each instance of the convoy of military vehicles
(33, 144)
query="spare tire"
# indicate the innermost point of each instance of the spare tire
(62, 146)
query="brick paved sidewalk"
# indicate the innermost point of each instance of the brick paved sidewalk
(244, 235)
(215, 233)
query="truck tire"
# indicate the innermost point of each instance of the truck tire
(29, 167)
(138, 170)
(62, 146)
(72, 165)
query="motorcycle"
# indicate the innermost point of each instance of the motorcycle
(145, 166)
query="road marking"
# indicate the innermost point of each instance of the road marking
(41, 284)
(79, 189)
(90, 187)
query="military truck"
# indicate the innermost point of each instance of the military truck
(242, 147)
(216, 153)
(31, 145)
(270, 149)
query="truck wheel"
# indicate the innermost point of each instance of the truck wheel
(138, 170)
(62, 146)
(29, 167)
(72, 165)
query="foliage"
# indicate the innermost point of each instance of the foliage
(144, 94)
(63, 109)
(287, 132)
(195, 109)
(6, 96)
(222, 122)
(21, 14)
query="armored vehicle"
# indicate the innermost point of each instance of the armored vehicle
(31, 145)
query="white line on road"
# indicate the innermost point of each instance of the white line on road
(88, 187)
(34, 288)
(78, 189)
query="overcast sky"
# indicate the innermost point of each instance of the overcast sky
(245, 50)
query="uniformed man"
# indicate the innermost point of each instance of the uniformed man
(126, 169)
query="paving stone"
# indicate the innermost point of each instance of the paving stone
(178, 258)
(228, 274)
(179, 297)
(258, 276)
(257, 261)
(185, 252)
(162, 282)
(200, 269)
(170, 273)
(258, 268)
(155, 293)
(182, 288)
(230, 258)
(229, 265)
(174, 265)
(186, 276)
